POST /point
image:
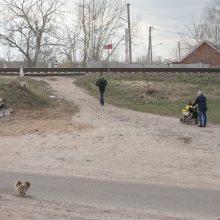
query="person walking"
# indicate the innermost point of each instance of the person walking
(202, 107)
(101, 83)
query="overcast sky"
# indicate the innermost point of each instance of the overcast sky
(169, 15)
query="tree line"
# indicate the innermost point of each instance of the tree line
(205, 27)
(38, 29)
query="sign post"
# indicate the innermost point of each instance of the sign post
(108, 47)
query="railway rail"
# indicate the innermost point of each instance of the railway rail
(29, 71)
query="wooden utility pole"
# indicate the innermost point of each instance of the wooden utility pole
(150, 53)
(37, 44)
(129, 33)
(85, 36)
(126, 46)
(179, 51)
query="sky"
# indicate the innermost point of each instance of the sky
(170, 15)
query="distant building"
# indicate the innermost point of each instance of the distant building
(205, 53)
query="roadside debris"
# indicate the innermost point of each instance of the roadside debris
(59, 99)
(4, 111)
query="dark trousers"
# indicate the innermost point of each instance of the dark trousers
(102, 96)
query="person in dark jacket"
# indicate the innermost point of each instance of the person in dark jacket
(202, 107)
(101, 83)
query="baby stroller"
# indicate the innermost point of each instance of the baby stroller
(189, 116)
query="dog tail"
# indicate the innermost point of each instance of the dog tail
(28, 184)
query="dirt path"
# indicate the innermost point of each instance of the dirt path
(107, 142)
(117, 143)
(146, 147)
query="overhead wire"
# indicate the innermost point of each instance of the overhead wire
(168, 31)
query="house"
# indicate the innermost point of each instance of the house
(204, 53)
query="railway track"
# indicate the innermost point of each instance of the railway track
(74, 71)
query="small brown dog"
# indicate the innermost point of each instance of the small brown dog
(22, 188)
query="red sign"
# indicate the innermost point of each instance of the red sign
(108, 46)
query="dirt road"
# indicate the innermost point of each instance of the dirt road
(116, 143)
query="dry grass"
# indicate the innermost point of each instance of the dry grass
(159, 93)
(33, 109)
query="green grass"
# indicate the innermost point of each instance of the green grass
(158, 93)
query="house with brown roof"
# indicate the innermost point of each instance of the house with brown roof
(204, 53)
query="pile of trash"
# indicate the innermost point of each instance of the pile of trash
(4, 111)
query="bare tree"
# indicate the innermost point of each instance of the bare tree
(100, 22)
(212, 18)
(204, 28)
(69, 43)
(26, 25)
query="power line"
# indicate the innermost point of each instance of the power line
(172, 32)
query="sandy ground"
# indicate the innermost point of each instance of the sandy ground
(12, 207)
(111, 143)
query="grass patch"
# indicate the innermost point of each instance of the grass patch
(158, 93)
(35, 95)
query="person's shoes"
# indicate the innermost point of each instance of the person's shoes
(200, 126)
